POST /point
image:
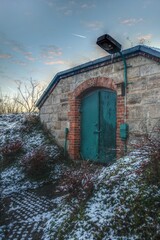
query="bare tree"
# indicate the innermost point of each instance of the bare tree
(24, 100)
(28, 95)
(9, 104)
(143, 41)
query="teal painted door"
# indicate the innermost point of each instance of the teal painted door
(89, 124)
(98, 126)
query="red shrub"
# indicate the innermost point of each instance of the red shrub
(35, 162)
(10, 149)
(77, 183)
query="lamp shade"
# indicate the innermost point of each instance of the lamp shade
(109, 44)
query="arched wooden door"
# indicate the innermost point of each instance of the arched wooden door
(98, 126)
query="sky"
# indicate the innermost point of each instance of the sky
(39, 38)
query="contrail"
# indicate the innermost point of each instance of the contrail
(77, 35)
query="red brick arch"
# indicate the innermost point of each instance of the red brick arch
(74, 113)
(93, 83)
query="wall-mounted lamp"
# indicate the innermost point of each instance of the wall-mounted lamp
(110, 45)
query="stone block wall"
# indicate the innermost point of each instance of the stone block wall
(143, 95)
(143, 98)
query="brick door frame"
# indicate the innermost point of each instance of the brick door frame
(74, 113)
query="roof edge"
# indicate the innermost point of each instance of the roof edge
(152, 52)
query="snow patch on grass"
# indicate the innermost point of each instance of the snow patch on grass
(122, 206)
(116, 210)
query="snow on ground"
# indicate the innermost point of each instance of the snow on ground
(109, 214)
(107, 202)
(26, 206)
(27, 216)
(13, 127)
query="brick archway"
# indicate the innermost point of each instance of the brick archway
(74, 113)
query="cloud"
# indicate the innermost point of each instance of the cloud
(68, 7)
(16, 47)
(5, 55)
(59, 6)
(54, 62)
(29, 56)
(51, 51)
(73, 2)
(95, 25)
(20, 62)
(68, 12)
(131, 21)
(87, 6)
(65, 10)
(77, 35)
(144, 38)
(50, 3)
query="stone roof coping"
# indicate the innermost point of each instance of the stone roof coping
(146, 51)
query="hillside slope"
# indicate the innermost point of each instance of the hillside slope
(27, 132)
(83, 201)
(123, 206)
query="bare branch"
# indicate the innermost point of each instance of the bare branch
(29, 94)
